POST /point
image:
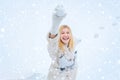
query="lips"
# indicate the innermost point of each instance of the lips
(65, 38)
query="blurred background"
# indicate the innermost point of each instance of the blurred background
(24, 25)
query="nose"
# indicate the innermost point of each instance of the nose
(65, 34)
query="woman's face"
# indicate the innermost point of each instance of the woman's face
(65, 36)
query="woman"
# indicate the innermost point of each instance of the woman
(61, 47)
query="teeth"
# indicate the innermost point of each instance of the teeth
(65, 38)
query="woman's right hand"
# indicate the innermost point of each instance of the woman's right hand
(59, 13)
(57, 17)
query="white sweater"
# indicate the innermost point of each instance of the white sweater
(61, 60)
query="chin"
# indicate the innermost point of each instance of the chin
(65, 42)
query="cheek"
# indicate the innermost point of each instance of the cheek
(61, 37)
(69, 36)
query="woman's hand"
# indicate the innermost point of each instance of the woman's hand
(59, 12)
(57, 17)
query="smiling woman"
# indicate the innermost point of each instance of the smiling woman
(66, 37)
(61, 48)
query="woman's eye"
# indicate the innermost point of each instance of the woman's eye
(62, 33)
(67, 32)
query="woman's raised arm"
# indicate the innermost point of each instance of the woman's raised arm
(57, 17)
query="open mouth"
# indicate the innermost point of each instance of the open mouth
(65, 38)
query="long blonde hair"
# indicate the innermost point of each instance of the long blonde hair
(71, 41)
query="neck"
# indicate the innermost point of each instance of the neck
(66, 45)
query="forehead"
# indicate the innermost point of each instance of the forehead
(65, 29)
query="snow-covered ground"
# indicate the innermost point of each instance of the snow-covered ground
(24, 25)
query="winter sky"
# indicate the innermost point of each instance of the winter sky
(24, 25)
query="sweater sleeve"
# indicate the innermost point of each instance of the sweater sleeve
(52, 47)
(77, 41)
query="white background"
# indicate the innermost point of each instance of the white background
(24, 25)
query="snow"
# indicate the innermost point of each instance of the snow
(24, 26)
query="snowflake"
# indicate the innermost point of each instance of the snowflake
(1, 35)
(99, 70)
(88, 77)
(100, 5)
(109, 61)
(113, 43)
(37, 77)
(102, 77)
(2, 30)
(22, 12)
(54, 77)
(110, 17)
(103, 12)
(89, 12)
(118, 61)
(8, 54)
(11, 24)
(33, 70)
(33, 5)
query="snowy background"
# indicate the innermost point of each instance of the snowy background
(24, 25)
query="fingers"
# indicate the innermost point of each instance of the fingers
(59, 11)
(59, 7)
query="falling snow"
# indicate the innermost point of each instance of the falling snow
(23, 45)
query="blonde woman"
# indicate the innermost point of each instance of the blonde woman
(61, 48)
